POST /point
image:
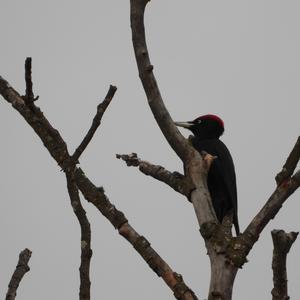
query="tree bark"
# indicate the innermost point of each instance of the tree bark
(196, 168)
(57, 148)
(21, 269)
(282, 242)
(222, 277)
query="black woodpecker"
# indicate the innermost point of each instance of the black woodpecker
(221, 178)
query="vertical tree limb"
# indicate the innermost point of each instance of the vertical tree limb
(29, 96)
(21, 269)
(195, 168)
(273, 205)
(161, 114)
(86, 251)
(282, 242)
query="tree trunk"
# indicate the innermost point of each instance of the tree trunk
(222, 277)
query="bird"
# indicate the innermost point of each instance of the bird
(221, 178)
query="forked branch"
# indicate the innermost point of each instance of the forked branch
(57, 148)
(195, 169)
(97, 196)
(233, 251)
(273, 205)
(244, 243)
(280, 195)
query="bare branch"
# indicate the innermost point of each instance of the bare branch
(161, 114)
(175, 180)
(242, 245)
(273, 205)
(50, 137)
(56, 146)
(101, 108)
(86, 251)
(29, 96)
(21, 269)
(290, 164)
(195, 168)
(142, 246)
(282, 242)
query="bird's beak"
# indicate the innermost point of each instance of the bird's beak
(187, 125)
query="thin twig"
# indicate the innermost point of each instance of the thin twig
(282, 242)
(290, 164)
(86, 251)
(175, 180)
(101, 108)
(50, 137)
(29, 96)
(21, 269)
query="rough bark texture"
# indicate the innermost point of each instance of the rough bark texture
(223, 271)
(175, 180)
(57, 148)
(21, 269)
(85, 228)
(226, 253)
(222, 277)
(290, 164)
(142, 246)
(196, 168)
(242, 245)
(282, 242)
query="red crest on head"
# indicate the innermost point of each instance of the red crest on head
(212, 117)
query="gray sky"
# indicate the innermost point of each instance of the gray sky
(237, 59)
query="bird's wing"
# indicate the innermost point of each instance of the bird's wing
(224, 166)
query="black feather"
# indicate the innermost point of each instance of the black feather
(221, 178)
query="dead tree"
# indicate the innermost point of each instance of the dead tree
(227, 253)
(78, 181)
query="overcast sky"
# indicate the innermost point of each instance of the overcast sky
(237, 59)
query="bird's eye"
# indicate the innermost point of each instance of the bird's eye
(198, 121)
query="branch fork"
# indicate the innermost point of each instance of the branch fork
(227, 254)
(76, 180)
